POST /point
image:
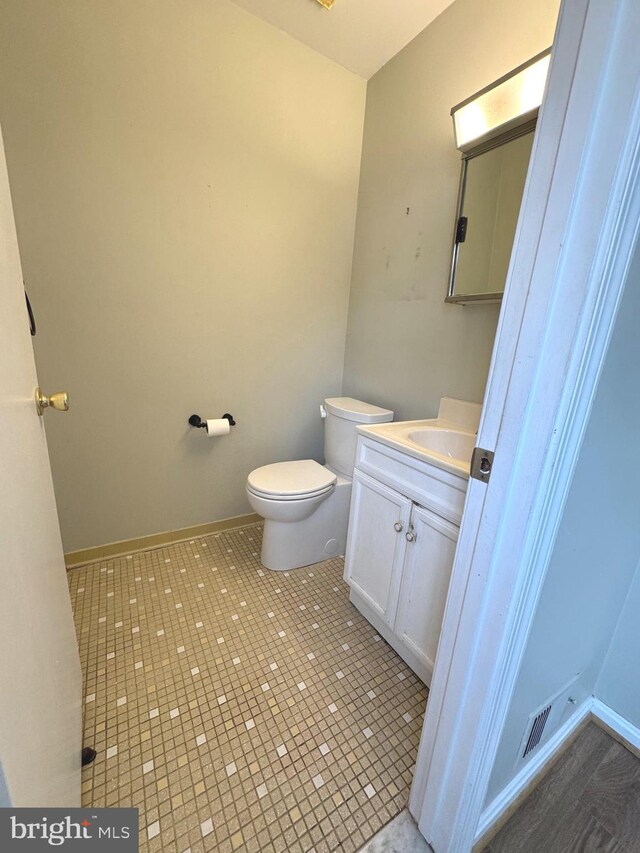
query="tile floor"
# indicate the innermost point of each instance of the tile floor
(237, 708)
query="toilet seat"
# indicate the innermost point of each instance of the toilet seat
(289, 481)
(289, 498)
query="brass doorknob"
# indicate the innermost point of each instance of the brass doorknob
(58, 401)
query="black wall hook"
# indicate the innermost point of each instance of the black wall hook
(196, 421)
(32, 319)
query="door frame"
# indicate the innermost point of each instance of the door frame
(575, 238)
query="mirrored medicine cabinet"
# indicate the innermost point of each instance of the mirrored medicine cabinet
(494, 130)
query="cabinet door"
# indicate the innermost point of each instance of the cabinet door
(425, 583)
(375, 550)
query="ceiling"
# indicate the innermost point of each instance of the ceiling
(361, 35)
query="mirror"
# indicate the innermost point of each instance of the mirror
(491, 187)
(494, 129)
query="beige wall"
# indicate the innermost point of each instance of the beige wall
(184, 180)
(406, 348)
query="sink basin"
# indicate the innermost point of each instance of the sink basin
(444, 443)
(452, 443)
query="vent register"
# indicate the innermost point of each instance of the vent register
(536, 731)
(546, 719)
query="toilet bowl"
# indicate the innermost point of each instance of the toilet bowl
(302, 529)
(288, 510)
(289, 491)
(305, 505)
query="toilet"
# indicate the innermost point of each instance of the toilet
(305, 505)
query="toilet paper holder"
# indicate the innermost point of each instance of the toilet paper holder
(196, 421)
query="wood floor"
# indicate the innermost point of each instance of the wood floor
(589, 802)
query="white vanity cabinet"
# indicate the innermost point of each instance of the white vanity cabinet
(423, 590)
(377, 546)
(403, 528)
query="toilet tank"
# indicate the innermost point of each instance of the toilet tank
(344, 415)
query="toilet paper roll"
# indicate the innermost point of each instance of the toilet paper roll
(218, 426)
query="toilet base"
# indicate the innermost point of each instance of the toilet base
(291, 545)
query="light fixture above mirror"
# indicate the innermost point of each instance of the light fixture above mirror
(326, 3)
(509, 102)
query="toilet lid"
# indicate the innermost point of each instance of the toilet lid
(291, 478)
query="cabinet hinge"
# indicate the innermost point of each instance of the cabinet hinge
(481, 464)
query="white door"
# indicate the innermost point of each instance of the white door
(376, 546)
(40, 677)
(425, 581)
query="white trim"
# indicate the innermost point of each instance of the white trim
(523, 781)
(574, 242)
(625, 730)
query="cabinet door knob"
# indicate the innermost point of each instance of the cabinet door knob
(410, 536)
(398, 527)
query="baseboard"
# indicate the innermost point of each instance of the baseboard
(157, 540)
(508, 800)
(618, 727)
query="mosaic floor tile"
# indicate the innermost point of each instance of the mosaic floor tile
(237, 708)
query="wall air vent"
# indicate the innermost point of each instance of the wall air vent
(546, 719)
(536, 730)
